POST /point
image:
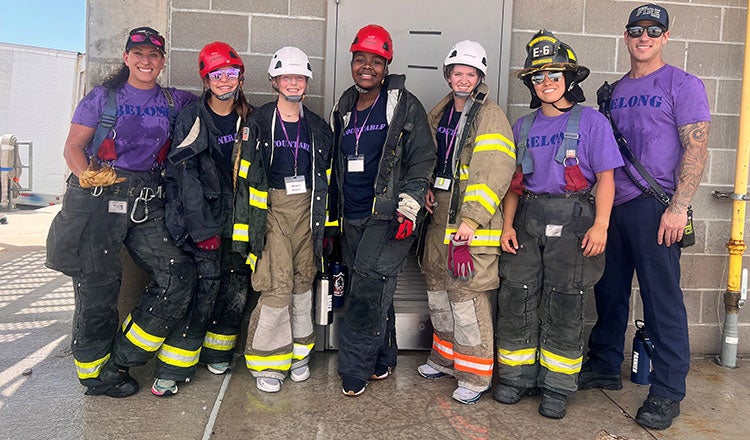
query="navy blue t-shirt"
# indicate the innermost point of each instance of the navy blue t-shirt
(445, 137)
(359, 188)
(284, 151)
(227, 126)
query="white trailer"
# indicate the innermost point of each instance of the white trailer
(39, 89)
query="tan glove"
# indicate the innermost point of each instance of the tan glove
(99, 176)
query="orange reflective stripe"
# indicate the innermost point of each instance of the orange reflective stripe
(473, 364)
(443, 348)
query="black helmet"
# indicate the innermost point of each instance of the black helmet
(545, 52)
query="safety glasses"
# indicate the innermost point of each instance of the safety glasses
(651, 31)
(140, 37)
(538, 77)
(230, 73)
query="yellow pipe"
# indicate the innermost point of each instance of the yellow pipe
(736, 243)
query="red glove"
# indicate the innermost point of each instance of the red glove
(460, 263)
(405, 228)
(516, 184)
(209, 244)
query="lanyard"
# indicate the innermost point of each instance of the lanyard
(358, 134)
(449, 143)
(296, 145)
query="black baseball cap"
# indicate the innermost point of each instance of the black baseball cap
(651, 12)
(145, 36)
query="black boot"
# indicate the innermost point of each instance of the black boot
(657, 412)
(115, 382)
(553, 404)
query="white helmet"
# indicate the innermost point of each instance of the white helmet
(469, 53)
(289, 61)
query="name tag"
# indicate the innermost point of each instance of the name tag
(118, 207)
(553, 231)
(355, 163)
(443, 183)
(295, 185)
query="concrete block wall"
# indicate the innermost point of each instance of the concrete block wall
(256, 29)
(707, 39)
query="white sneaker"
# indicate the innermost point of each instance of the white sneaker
(428, 372)
(300, 374)
(218, 367)
(268, 384)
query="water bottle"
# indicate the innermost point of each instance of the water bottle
(323, 300)
(338, 281)
(642, 351)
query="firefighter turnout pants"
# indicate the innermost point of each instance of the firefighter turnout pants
(87, 235)
(226, 318)
(280, 335)
(367, 341)
(539, 332)
(460, 311)
(181, 351)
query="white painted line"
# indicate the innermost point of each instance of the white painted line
(217, 403)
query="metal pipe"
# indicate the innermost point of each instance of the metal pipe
(736, 243)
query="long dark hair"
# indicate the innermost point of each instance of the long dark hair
(115, 80)
(241, 106)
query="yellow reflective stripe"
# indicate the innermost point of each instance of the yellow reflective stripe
(482, 237)
(139, 337)
(463, 172)
(258, 198)
(331, 222)
(90, 370)
(178, 357)
(514, 358)
(219, 342)
(328, 175)
(281, 362)
(560, 364)
(482, 194)
(301, 351)
(495, 142)
(244, 167)
(241, 232)
(251, 261)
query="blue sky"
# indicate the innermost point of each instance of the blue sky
(54, 24)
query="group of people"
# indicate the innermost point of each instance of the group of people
(211, 195)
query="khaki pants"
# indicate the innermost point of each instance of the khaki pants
(280, 334)
(460, 311)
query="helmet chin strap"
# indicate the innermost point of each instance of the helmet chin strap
(289, 98)
(228, 96)
(461, 95)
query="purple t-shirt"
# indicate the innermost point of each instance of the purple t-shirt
(597, 150)
(647, 112)
(142, 124)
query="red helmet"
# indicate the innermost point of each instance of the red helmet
(216, 55)
(374, 39)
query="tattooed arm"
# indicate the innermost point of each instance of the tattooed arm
(694, 139)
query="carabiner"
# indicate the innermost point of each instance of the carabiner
(145, 196)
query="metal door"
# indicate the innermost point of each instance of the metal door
(423, 31)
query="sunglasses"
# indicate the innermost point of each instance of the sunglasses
(651, 31)
(538, 78)
(230, 73)
(140, 37)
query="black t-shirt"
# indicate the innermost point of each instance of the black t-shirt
(372, 129)
(284, 150)
(227, 126)
(446, 138)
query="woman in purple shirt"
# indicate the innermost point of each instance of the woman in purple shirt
(114, 198)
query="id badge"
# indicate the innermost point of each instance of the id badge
(443, 183)
(295, 185)
(355, 163)
(118, 207)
